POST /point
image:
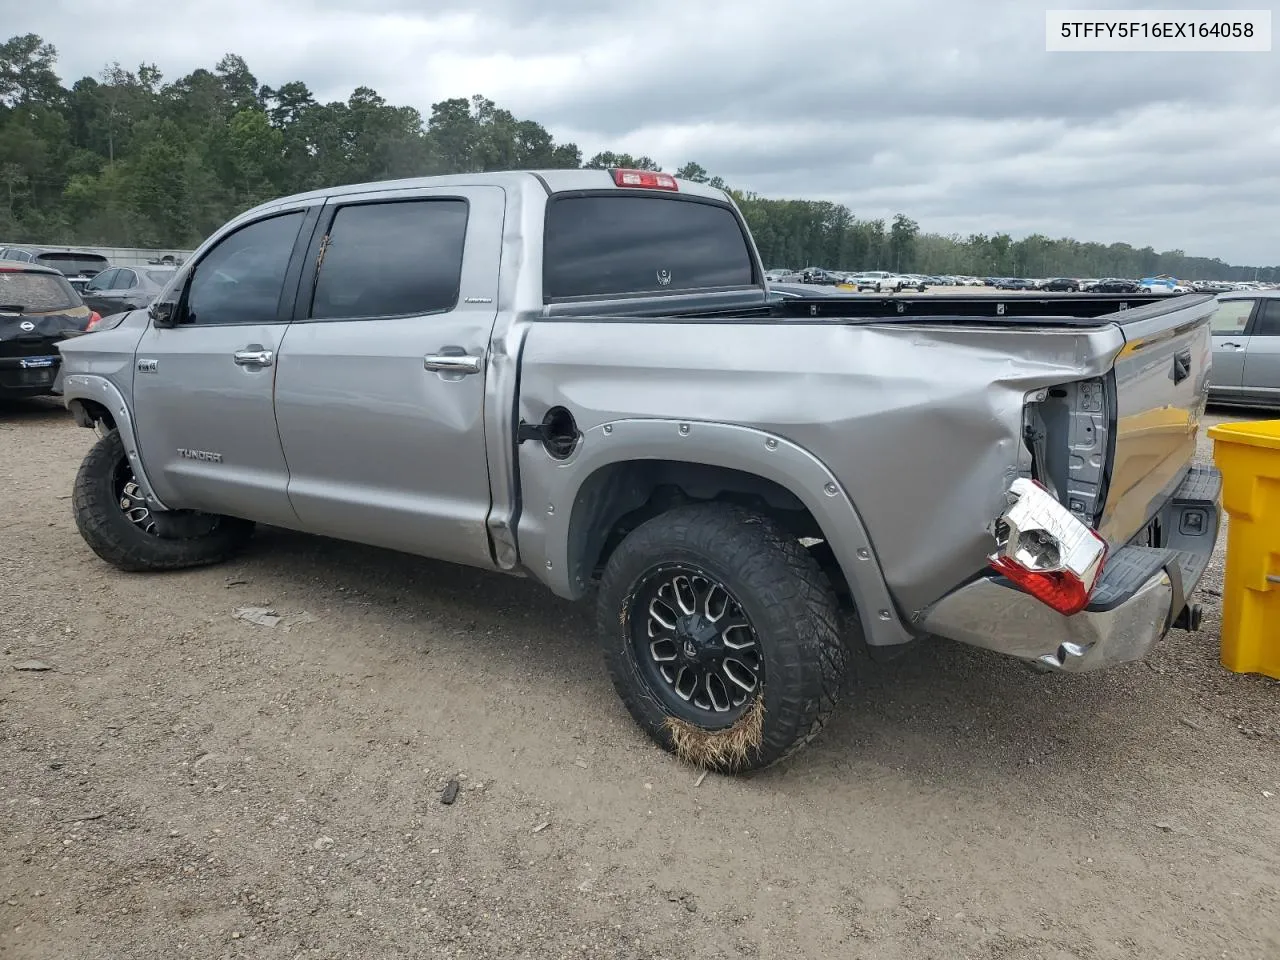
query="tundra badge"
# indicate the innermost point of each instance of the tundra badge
(204, 455)
(147, 366)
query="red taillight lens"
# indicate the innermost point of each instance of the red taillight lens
(1046, 550)
(647, 179)
(94, 320)
(1060, 590)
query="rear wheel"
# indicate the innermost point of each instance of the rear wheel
(720, 633)
(120, 527)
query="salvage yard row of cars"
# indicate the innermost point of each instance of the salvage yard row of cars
(883, 281)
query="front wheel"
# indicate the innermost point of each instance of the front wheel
(119, 526)
(721, 635)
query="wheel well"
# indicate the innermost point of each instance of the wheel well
(89, 413)
(618, 498)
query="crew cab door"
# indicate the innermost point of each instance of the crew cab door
(1230, 329)
(380, 389)
(202, 388)
(1261, 382)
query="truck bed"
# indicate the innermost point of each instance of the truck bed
(1068, 309)
(918, 413)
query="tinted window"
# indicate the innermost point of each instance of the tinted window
(240, 280)
(124, 280)
(37, 292)
(73, 264)
(1268, 319)
(392, 259)
(604, 246)
(102, 281)
(1231, 317)
(160, 277)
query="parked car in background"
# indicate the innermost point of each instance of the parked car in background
(125, 288)
(1246, 349)
(1013, 283)
(1114, 286)
(1161, 284)
(1061, 285)
(38, 310)
(821, 276)
(882, 281)
(79, 267)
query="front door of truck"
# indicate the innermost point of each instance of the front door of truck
(202, 388)
(1230, 329)
(380, 390)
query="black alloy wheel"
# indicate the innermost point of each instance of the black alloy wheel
(696, 646)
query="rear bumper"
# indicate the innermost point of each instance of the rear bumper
(29, 376)
(1142, 591)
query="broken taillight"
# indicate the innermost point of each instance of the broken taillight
(94, 319)
(1046, 550)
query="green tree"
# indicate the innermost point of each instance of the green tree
(124, 158)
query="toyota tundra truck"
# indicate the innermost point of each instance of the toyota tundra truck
(581, 376)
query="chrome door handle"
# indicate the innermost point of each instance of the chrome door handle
(446, 363)
(254, 358)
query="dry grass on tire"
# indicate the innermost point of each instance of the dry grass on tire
(722, 750)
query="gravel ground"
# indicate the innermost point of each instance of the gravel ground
(181, 783)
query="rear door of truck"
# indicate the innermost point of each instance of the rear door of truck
(380, 384)
(1161, 379)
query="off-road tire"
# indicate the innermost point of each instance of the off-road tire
(113, 537)
(782, 591)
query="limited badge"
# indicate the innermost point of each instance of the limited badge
(664, 277)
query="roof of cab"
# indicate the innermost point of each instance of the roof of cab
(553, 181)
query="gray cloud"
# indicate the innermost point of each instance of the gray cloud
(948, 110)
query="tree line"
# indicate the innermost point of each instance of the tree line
(127, 159)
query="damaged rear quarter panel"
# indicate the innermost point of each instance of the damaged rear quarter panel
(920, 423)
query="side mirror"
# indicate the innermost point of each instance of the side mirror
(163, 313)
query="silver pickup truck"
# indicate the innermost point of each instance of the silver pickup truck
(582, 377)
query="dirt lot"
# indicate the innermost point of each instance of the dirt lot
(184, 784)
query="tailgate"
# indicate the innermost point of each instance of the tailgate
(1161, 382)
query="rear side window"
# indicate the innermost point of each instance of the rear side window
(1231, 317)
(36, 292)
(392, 259)
(603, 246)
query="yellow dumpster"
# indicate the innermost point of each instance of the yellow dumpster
(1248, 454)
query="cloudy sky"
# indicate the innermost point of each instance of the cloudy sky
(950, 111)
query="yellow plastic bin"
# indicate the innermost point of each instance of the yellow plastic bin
(1248, 454)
